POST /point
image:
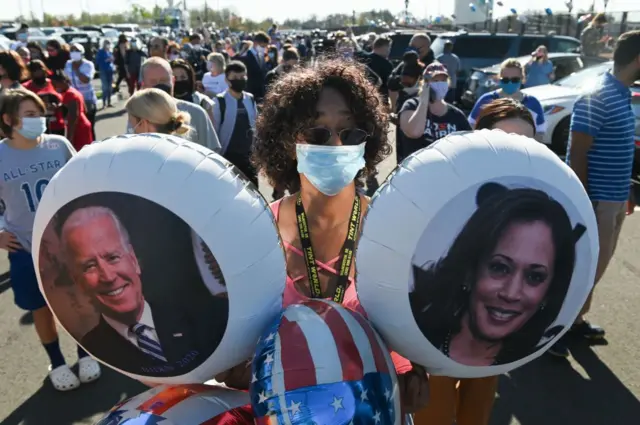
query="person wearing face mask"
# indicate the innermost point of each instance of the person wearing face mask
(539, 69)
(41, 85)
(234, 118)
(157, 73)
(154, 111)
(80, 72)
(105, 62)
(421, 44)
(173, 51)
(321, 131)
(214, 81)
(133, 62)
(427, 117)
(290, 59)
(601, 152)
(57, 55)
(411, 80)
(511, 80)
(76, 121)
(30, 159)
(184, 87)
(273, 58)
(22, 37)
(255, 61)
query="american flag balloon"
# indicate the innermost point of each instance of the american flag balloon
(322, 364)
(195, 404)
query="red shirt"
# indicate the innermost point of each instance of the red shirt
(55, 120)
(82, 135)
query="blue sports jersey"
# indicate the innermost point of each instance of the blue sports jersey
(530, 102)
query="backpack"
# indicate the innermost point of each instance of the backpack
(222, 102)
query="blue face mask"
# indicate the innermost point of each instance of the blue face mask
(32, 127)
(330, 168)
(510, 88)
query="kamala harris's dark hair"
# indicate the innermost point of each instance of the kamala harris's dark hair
(442, 290)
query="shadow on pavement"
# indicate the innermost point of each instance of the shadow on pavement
(26, 319)
(5, 283)
(551, 391)
(107, 115)
(51, 407)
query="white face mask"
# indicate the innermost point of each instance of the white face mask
(440, 88)
(75, 56)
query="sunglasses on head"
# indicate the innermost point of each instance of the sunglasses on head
(322, 136)
(506, 80)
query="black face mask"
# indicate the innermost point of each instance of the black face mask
(238, 85)
(164, 87)
(39, 80)
(183, 90)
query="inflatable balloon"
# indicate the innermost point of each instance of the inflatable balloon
(548, 11)
(437, 19)
(158, 257)
(500, 3)
(193, 404)
(514, 11)
(477, 254)
(322, 363)
(472, 7)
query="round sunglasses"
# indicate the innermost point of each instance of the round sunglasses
(322, 136)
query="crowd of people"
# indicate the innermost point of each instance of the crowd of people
(267, 104)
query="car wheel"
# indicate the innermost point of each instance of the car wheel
(560, 137)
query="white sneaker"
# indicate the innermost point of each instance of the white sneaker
(88, 370)
(63, 378)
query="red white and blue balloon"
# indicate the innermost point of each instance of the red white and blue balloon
(320, 363)
(194, 404)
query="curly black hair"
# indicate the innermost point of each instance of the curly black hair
(290, 107)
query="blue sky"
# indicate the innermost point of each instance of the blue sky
(281, 9)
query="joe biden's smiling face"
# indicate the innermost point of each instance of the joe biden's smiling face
(106, 267)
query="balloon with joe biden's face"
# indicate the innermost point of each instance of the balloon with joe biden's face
(159, 257)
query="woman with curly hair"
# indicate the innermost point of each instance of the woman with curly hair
(322, 131)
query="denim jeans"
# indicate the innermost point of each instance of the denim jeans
(107, 82)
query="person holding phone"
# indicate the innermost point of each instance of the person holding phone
(539, 69)
(428, 117)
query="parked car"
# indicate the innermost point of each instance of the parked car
(5, 43)
(479, 50)
(484, 80)
(557, 101)
(52, 30)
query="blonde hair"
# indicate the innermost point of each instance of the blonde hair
(159, 109)
(218, 60)
(511, 63)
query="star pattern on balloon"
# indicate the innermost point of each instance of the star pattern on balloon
(337, 403)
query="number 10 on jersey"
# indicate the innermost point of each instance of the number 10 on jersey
(34, 194)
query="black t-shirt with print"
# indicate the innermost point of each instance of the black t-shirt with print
(436, 127)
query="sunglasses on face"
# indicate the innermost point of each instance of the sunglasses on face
(506, 80)
(322, 136)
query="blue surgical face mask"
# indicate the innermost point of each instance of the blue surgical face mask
(510, 88)
(32, 127)
(330, 168)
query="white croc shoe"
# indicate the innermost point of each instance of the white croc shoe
(63, 378)
(88, 370)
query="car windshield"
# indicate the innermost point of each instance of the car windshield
(585, 77)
